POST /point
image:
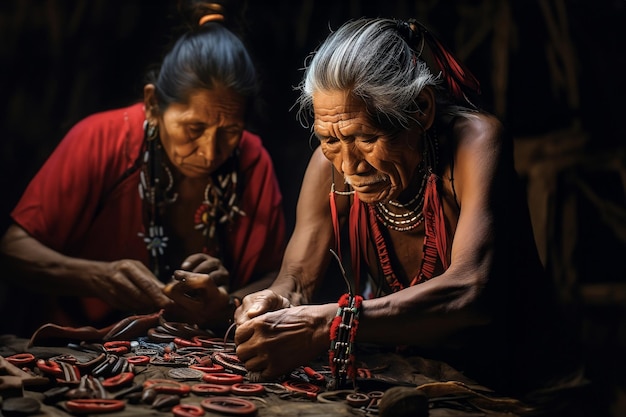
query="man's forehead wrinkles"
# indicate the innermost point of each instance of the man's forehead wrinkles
(346, 127)
(337, 114)
(339, 117)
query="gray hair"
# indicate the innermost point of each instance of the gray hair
(371, 59)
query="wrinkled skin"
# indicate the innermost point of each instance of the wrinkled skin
(278, 341)
(125, 284)
(200, 294)
(197, 136)
(380, 166)
(377, 164)
(130, 286)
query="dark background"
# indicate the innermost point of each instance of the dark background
(62, 60)
(553, 70)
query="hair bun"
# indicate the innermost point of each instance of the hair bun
(196, 14)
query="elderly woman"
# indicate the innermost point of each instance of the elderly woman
(173, 186)
(420, 185)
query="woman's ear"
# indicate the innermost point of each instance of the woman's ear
(151, 106)
(426, 103)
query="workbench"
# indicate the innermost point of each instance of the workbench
(433, 388)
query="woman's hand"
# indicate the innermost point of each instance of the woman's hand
(276, 342)
(198, 299)
(125, 284)
(207, 264)
(128, 285)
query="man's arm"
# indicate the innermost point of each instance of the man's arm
(428, 313)
(308, 252)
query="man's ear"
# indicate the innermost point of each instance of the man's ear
(426, 103)
(151, 105)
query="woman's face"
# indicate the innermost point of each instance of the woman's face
(379, 165)
(199, 136)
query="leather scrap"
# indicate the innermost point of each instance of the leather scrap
(479, 400)
(13, 378)
(129, 328)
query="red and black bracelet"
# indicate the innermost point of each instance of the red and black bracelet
(342, 336)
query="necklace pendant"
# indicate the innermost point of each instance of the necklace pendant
(155, 241)
(201, 217)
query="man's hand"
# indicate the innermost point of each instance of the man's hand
(258, 303)
(276, 342)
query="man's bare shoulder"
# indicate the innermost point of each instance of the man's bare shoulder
(478, 130)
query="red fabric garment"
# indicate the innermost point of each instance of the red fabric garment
(359, 238)
(335, 218)
(435, 224)
(363, 226)
(383, 252)
(76, 206)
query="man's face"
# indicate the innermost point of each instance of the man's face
(379, 165)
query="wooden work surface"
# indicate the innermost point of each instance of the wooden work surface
(449, 393)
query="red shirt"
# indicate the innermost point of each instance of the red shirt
(80, 203)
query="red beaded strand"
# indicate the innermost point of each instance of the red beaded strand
(342, 337)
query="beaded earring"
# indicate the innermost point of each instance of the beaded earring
(155, 193)
(220, 205)
(151, 130)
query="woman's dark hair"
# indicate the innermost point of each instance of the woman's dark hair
(204, 57)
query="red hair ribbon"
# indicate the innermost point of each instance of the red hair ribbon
(458, 78)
